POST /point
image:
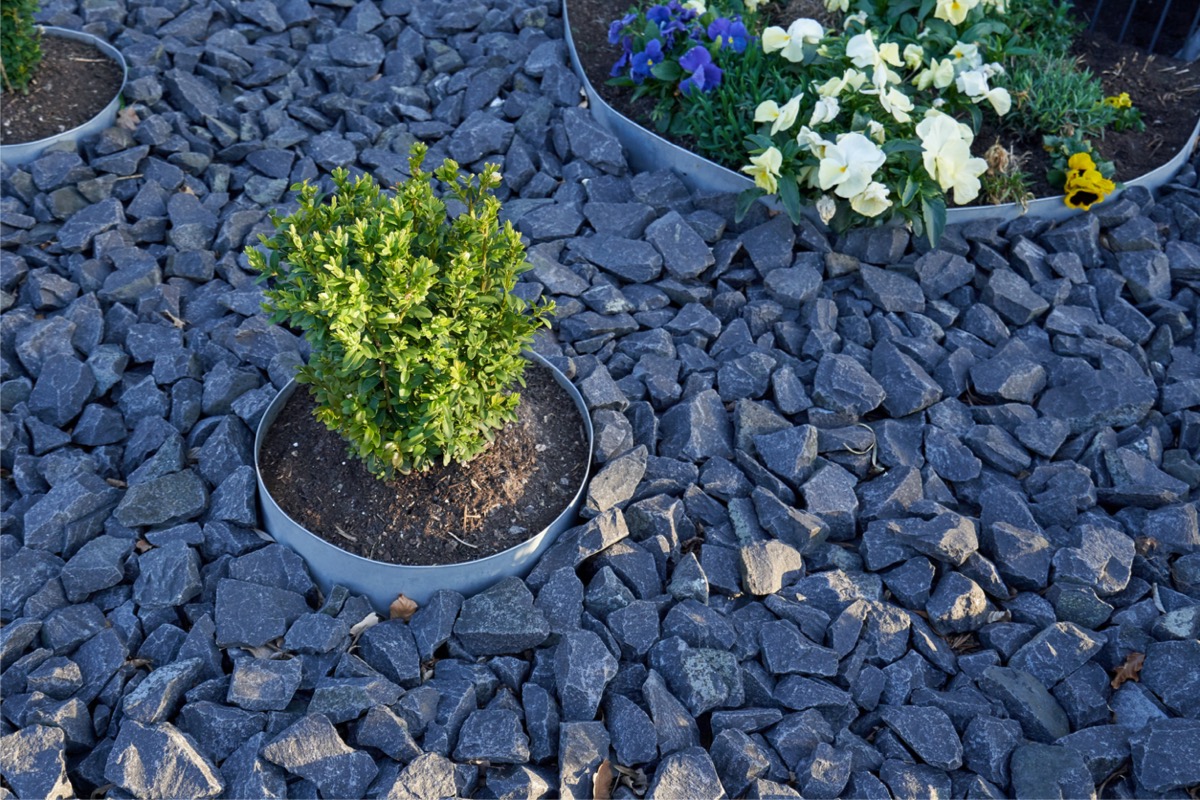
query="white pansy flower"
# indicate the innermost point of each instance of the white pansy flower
(790, 43)
(837, 5)
(939, 74)
(946, 154)
(974, 84)
(876, 131)
(696, 5)
(826, 208)
(914, 56)
(966, 56)
(871, 201)
(863, 53)
(851, 79)
(781, 118)
(848, 166)
(764, 169)
(860, 18)
(996, 6)
(896, 103)
(826, 110)
(954, 11)
(812, 141)
(752, 5)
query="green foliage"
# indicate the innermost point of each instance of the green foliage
(20, 44)
(1054, 95)
(416, 336)
(1043, 26)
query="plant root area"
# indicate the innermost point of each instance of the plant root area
(74, 83)
(445, 515)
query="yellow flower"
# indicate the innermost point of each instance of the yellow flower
(1081, 162)
(954, 11)
(1087, 187)
(1119, 101)
(765, 169)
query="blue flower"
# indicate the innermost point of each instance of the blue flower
(732, 32)
(705, 75)
(644, 61)
(618, 26)
(669, 19)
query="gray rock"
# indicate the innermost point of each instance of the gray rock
(160, 761)
(1102, 560)
(629, 259)
(98, 565)
(941, 272)
(928, 731)
(696, 429)
(275, 611)
(168, 576)
(341, 699)
(675, 727)
(493, 735)
(582, 746)
(1056, 652)
(247, 774)
(312, 749)
(702, 678)
(913, 780)
(957, 605)
(685, 254)
(1117, 395)
(264, 685)
(163, 500)
(387, 732)
(988, 743)
(77, 233)
(63, 386)
(1042, 770)
(592, 143)
(502, 620)
(1026, 701)
(616, 482)
(907, 387)
(766, 567)
(217, 729)
(1166, 754)
(389, 647)
(634, 740)
(33, 762)
(829, 494)
(1147, 274)
(583, 666)
(479, 135)
(786, 650)
(891, 291)
(842, 385)
(687, 773)
(155, 699)
(1013, 299)
(1103, 748)
(1172, 672)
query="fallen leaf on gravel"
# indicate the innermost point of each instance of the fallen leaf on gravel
(1129, 670)
(402, 608)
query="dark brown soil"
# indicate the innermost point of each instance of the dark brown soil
(73, 84)
(1166, 90)
(509, 493)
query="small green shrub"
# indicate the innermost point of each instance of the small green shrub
(20, 44)
(1055, 95)
(415, 334)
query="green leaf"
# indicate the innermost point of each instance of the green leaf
(668, 71)
(744, 201)
(789, 196)
(933, 211)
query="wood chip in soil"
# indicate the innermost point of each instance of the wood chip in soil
(509, 493)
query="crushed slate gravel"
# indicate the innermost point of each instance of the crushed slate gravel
(870, 519)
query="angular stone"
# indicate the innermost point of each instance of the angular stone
(1026, 701)
(33, 762)
(1056, 652)
(768, 566)
(259, 684)
(1166, 755)
(1172, 672)
(1117, 395)
(792, 287)
(275, 611)
(988, 743)
(583, 666)
(501, 620)
(702, 678)
(616, 482)
(685, 254)
(155, 698)
(696, 429)
(630, 260)
(312, 749)
(842, 385)
(160, 761)
(675, 727)
(582, 746)
(389, 648)
(957, 605)
(63, 386)
(634, 740)
(493, 735)
(163, 500)
(785, 650)
(941, 272)
(1013, 299)
(1103, 559)
(928, 731)
(907, 387)
(687, 773)
(891, 291)
(1042, 770)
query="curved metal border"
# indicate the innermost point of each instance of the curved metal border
(381, 581)
(647, 151)
(15, 155)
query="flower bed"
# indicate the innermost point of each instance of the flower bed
(883, 115)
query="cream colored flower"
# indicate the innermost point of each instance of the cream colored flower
(914, 56)
(954, 11)
(974, 84)
(966, 56)
(871, 201)
(826, 208)
(860, 18)
(790, 43)
(837, 5)
(939, 74)
(764, 169)
(850, 164)
(826, 110)
(696, 5)
(812, 141)
(781, 118)
(851, 79)
(876, 131)
(946, 154)
(864, 54)
(752, 5)
(896, 103)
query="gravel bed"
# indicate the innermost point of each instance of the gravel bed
(868, 520)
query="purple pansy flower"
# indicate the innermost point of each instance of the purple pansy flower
(729, 31)
(705, 75)
(644, 61)
(618, 26)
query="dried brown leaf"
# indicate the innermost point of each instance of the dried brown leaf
(603, 780)
(1129, 670)
(402, 607)
(141, 545)
(127, 118)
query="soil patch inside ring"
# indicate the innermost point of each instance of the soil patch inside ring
(74, 83)
(509, 493)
